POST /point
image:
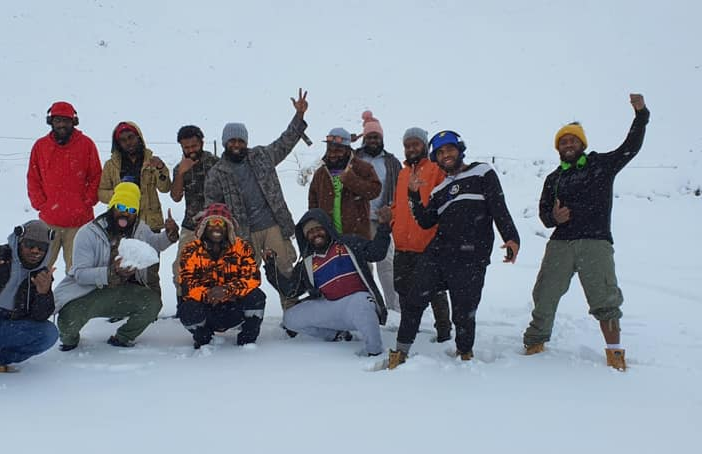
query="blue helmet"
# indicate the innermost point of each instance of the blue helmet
(446, 137)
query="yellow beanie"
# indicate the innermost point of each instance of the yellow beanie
(572, 128)
(127, 194)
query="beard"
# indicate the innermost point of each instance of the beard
(194, 156)
(412, 160)
(120, 225)
(336, 164)
(62, 135)
(453, 168)
(320, 247)
(373, 150)
(236, 156)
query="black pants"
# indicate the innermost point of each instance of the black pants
(202, 320)
(404, 265)
(464, 279)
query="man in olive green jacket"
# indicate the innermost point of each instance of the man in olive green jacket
(133, 162)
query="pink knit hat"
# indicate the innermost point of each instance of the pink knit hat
(371, 124)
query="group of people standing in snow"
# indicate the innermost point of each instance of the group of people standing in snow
(426, 223)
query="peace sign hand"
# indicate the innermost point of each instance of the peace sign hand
(414, 181)
(301, 103)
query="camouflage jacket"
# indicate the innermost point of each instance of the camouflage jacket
(194, 187)
(222, 187)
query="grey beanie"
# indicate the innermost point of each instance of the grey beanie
(234, 131)
(417, 133)
(36, 230)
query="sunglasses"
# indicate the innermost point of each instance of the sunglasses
(216, 222)
(336, 139)
(31, 244)
(122, 208)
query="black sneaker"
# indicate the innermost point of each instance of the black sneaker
(67, 347)
(443, 336)
(115, 342)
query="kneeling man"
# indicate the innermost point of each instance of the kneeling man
(334, 271)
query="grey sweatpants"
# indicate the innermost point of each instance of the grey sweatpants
(323, 318)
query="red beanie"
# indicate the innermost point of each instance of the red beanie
(62, 109)
(371, 124)
(122, 127)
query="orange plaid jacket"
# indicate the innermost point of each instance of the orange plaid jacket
(235, 270)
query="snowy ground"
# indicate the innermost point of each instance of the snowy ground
(504, 75)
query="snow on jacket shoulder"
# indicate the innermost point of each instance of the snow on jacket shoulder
(62, 180)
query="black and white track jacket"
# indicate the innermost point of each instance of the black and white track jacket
(465, 206)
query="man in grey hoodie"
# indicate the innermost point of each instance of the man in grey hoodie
(26, 300)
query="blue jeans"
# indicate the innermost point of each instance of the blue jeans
(22, 339)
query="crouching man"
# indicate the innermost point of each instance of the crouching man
(98, 286)
(26, 300)
(334, 271)
(220, 281)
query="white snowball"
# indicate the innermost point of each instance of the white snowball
(136, 254)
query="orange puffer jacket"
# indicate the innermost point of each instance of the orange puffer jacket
(407, 234)
(235, 270)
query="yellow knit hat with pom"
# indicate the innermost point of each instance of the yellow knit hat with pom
(127, 194)
(572, 128)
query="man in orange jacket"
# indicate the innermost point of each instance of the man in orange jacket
(411, 239)
(63, 178)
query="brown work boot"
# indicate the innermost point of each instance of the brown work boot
(464, 356)
(533, 349)
(4, 368)
(615, 358)
(396, 358)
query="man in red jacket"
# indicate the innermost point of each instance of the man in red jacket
(63, 177)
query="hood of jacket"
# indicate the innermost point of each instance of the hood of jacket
(117, 151)
(18, 274)
(323, 218)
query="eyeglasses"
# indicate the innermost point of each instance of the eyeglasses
(122, 208)
(216, 222)
(31, 244)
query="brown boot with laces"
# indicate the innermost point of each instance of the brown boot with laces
(465, 356)
(615, 358)
(396, 358)
(533, 349)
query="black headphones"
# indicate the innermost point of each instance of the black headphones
(19, 233)
(49, 117)
(454, 139)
